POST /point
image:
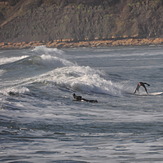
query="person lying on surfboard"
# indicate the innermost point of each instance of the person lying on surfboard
(80, 98)
(143, 85)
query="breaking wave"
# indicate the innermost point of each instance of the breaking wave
(49, 65)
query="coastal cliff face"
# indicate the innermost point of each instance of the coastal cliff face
(78, 20)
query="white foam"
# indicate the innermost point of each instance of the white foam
(45, 50)
(52, 56)
(5, 60)
(53, 60)
(16, 90)
(81, 78)
(71, 76)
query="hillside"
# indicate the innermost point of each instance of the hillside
(77, 20)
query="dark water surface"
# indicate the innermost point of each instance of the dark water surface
(40, 122)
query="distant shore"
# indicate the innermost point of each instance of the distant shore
(72, 44)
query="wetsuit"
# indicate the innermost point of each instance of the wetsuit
(143, 85)
(79, 98)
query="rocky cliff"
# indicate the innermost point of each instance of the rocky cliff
(78, 20)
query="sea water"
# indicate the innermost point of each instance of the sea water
(40, 121)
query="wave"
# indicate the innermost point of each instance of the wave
(51, 56)
(57, 61)
(34, 64)
(72, 76)
(49, 65)
(44, 50)
(82, 79)
(40, 56)
(14, 90)
(5, 60)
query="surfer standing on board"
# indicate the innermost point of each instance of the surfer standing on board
(143, 85)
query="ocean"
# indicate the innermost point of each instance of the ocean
(41, 122)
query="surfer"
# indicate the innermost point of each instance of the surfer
(80, 98)
(13, 93)
(143, 85)
(77, 98)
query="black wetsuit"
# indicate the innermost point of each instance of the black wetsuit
(143, 85)
(79, 98)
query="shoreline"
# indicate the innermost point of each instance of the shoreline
(71, 44)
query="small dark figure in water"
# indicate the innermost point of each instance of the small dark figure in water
(80, 98)
(143, 85)
(13, 93)
(77, 98)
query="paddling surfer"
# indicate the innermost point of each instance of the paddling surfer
(143, 85)
(77, 98)
(80, 98)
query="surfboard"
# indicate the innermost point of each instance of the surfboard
(150, 94)
(156, 93)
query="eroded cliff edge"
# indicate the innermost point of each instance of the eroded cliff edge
(79, 20)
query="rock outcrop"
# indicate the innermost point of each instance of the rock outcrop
(71, 44)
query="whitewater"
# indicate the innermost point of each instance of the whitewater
(41, 122)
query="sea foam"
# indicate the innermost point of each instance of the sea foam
(51, 56)
(69, 75)
(5, 60)
(81, 78)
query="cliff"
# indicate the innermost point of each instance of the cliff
(79, 20)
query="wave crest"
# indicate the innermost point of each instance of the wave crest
(83, 79)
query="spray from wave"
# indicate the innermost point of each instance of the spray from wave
(51, 56)
(5, 60)
(64, 73)
(81, 79)
(74, 77)
(44, 50)
(14, 90)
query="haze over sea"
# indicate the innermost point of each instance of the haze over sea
(40, 122)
